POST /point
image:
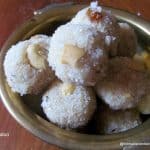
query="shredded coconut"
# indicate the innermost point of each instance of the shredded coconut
(123, 86)
(82, 36)
(110, 121)
(128, 41)
(124, 25)
(70, 111)
(21, 76)
(94, 7)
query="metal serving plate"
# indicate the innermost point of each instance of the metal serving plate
(26, 110)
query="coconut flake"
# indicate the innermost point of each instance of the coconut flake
(94, 7)
(124, 25)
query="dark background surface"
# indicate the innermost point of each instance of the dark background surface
(12, 14)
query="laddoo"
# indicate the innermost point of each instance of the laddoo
(68, 105)
(26, 67)
(125, 84)
(77, 54)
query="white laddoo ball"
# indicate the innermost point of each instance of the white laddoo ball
(125, 84)
(110, 121)
(26, 67)
(68, 105)
(103, 21)
(128, 41)
(77, 54)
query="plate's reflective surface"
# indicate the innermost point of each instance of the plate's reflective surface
(26, 110)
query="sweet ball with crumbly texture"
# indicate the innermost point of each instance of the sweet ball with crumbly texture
(103, 21)
(125, 84)
(68, 105)
(26, 67)
(98, 18)
(128, 41)
(109, 121)
(77, 54)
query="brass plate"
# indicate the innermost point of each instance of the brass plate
(29, 115)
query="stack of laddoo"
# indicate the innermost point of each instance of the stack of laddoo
(89, 68)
